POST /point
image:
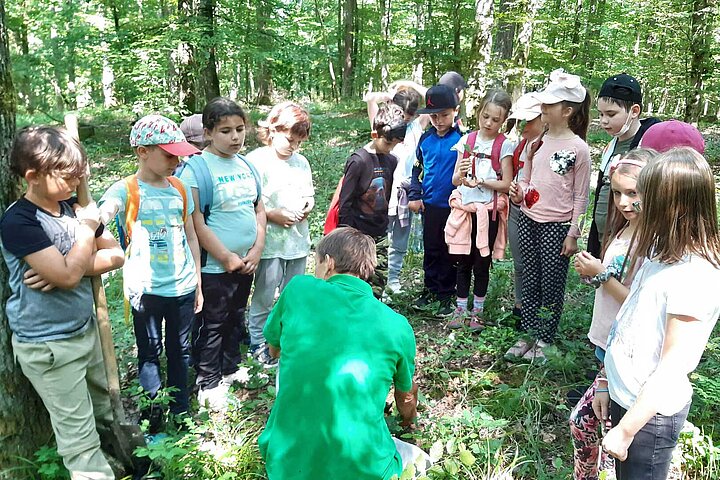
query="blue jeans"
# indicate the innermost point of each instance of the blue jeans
(399, 237)
(650, 453)
(178, 313)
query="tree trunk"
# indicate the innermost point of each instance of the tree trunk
(575, 40)
(210, 80)
(701, 28)
(68, 13)
(24, 423)
(349, 10)
(457, 33)
(265, 80)
(185, 60)
(521, 52)
(326, 50)
(482, 49)
(505, 36)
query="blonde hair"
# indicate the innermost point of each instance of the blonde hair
(285, 117)
(352, 251)
(630, 164)
(679, 211)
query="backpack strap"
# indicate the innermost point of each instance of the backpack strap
(177, 183)
(256, 174)
(497, 166)
(516, 156)
(132, 205)
(495, 154)
(203, 177)
(470, 142)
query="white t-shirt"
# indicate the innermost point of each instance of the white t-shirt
(406, 155)
(286, 184)
(483, 167)
(636, 339)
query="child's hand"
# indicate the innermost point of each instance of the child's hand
(569, 247)
(617, 442)
(587, 265)
(287, 218)
(515, 192)
(601, 406)
(199, 299)
(306, 211)
(251, 260)
(465, 166)
(416, 206)
(33, 280)
(233, 263)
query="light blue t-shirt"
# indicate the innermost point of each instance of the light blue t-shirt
(159, 260)
(232, 213)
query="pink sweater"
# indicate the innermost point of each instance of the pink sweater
(560, 174)
(458, 228)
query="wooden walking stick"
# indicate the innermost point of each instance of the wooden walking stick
(125, 436)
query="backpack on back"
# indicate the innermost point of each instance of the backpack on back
(495, 153)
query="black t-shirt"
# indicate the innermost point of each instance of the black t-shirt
(366, 192)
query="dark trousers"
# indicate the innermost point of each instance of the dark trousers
(650, 453)
(544, 275)
(220, 327)
(475, 264)
(438, 264)
(178, 313)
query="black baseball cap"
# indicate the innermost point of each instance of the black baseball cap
(439, 98)
(622, 87)
(453, 80)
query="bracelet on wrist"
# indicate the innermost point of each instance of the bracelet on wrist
(602, 277)
(602, 390)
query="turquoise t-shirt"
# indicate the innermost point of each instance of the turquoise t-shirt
(285, 184)
(232, 213)
(341, 350)
(159, 260)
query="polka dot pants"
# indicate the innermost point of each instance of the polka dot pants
(544, 275)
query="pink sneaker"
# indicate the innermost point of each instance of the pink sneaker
(476, 323)
(457, 319)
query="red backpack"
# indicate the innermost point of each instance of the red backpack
(494, 159)
(333, 215)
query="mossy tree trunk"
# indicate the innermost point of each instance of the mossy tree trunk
(24, 424)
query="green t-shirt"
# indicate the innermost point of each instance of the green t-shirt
(603, 204)
(232, 213)
(341, 350)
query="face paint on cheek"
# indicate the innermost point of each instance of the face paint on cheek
(637, 206)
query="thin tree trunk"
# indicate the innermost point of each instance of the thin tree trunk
(457, 32)
(326, 50)
(185, 60)
(68, 13)
(575, 39)
(349, 9)
(265, 80)
(417, 74)
(24, 423)
(701, 28)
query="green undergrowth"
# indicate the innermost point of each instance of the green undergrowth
(480, 416)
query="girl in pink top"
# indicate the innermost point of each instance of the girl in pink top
(552, 193)
(612, 289)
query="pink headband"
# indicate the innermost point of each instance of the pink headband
(625, 161)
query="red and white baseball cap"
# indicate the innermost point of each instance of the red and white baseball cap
(163, 132)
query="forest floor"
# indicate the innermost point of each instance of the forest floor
(480, 416)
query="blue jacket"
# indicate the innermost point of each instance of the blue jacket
(435, 163)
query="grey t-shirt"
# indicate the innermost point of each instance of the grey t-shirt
(36, 316)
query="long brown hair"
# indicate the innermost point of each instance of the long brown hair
(679, 211)
(615, 219)
(579, 120)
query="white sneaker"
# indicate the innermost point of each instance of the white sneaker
(215, 399)
(242, 376)
(394, 287)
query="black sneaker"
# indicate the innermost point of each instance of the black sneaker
(445, 307)
(424, 302)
